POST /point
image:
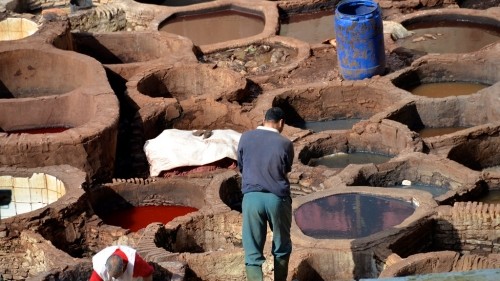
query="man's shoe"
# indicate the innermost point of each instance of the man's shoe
(254, 273)
(281, 268)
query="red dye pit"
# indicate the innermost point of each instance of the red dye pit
(136, 218)
(51, 130)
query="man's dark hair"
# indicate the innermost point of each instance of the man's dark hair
(274, 114)
(115, 266)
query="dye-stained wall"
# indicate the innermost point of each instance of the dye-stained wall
(469, 228)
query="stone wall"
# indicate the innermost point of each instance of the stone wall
(468, 228)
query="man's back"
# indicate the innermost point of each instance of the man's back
(264, 158)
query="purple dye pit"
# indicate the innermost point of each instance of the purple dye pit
(350, 216)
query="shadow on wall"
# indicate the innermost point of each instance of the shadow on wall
(5, 92)
(130, 161)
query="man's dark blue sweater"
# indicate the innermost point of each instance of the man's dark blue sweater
(264, 159)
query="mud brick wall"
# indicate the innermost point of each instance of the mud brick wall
(11, 259)
(37, 4)
(469, 228)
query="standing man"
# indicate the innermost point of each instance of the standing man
(264, 159)
(120, 263)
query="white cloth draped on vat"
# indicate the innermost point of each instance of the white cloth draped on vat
(175, 148)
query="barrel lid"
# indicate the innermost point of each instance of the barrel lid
(357, 9)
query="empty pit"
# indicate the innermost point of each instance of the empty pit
(126, 47)
(125, 52)
(192, 81)
(449, 33)
(193, 96)
(16, 28)
(332, 107)
(478, 153)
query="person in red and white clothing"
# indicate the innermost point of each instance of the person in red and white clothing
(120, 263)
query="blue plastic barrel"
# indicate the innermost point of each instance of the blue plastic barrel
(360, 39)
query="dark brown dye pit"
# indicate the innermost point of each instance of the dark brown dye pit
(136, 218)
(313, 28)
(433, 132)
(446, 89)
(493, 197)
(319, 126)
(349, 216)
(449, 36)
(49, 130)
(342, 160)
(215, 27)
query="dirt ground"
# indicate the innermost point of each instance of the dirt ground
(322, 66)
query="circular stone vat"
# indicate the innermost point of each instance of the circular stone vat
(199, 87)
(442, 261)
(16, 28)
(158, 201)
(338, 105)
(350, 216)
(326, 125)
(29, 73)
(342, 160)
(216, 25)
(335, 152)
(30, 193)
(136, 218)
(445, 180)
(446, 89)
(439, 79)
(444, 118)
(75, 129)
(127, 47)
(450, 33)
(312, 27)
(192, 81)
(201, 233)
(337, 221)
(477, 154)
